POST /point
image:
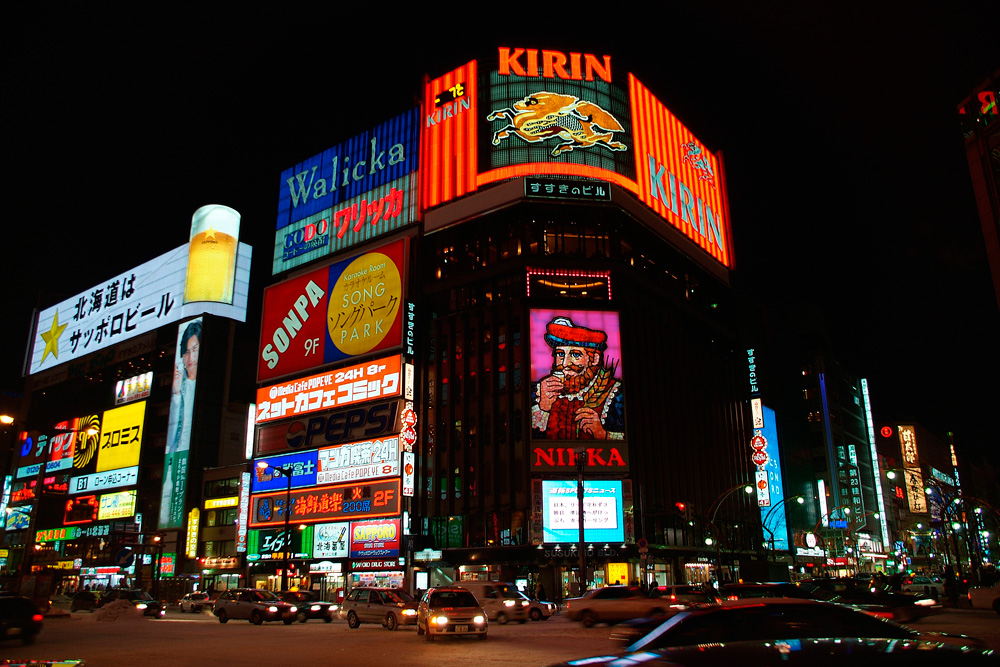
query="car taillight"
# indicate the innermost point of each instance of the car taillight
(37, 618)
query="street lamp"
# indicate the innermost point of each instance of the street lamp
(799, 499)
(709, 541)
(286, 471)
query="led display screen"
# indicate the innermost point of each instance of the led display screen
(133, 388)
(346, 386)
(602, 511)
(99, 481)
(349, 308)
(576, 374)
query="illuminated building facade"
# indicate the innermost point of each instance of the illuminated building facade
(133, 387)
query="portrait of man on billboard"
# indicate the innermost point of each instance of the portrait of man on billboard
(179, 424)
(579, 396)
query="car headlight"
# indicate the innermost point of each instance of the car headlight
(140, 605)
(925, 602)
(478, 620)
(508, 603)
(315, 607)
(293, 609)
(525, 603)
(440, 620)
(409, 612)
(272, 609)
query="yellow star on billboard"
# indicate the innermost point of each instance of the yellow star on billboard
(51, 337)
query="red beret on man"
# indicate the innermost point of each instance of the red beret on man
(561, 332)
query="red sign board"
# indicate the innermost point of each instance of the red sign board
(372, 539)
(677, 176)
(339, 502)
(323, 391)
(347, 309)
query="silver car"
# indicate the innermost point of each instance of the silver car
(255, 605)
(392, 607)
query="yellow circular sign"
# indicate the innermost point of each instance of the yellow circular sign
(364, 304)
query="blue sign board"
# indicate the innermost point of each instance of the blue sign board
(350, 169)
(303, 465)
(602, 511)
(774, 514)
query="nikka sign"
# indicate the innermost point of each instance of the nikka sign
(607, 458)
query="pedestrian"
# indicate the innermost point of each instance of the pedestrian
(540, 591)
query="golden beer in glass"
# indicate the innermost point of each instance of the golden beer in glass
(211, 269)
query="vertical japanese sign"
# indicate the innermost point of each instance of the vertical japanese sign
(772, 514)
(244, 517)
(179, 424)
(911, 469)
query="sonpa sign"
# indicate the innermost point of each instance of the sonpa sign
(346, 309)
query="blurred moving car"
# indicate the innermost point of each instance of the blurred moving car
(502, 601)
(614, 604)
(143, 601)
(797, 652)
(920, 584)
(780, 618)
(391, 607)
(310, 606)
(879, 602)
(450, 611)
(254, 604)
(539, 610)
(19, 617)
(685, 594)
(196, 602)
(85, 601)
(983, 597)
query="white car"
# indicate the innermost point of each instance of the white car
(981, 597)
(921, 585)
(539, 610)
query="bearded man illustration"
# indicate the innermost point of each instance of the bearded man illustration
(581, 399)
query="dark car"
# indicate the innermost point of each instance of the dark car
(310, 606)
(143, 601)
(19, 617)
(391, 607)
(812, 652)
(779, 618)
(874, 598)
(878, 602)
(685, 594)
(85, 601)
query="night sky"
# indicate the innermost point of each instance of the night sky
(848, 183)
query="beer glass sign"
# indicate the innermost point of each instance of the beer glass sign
(211, 269)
